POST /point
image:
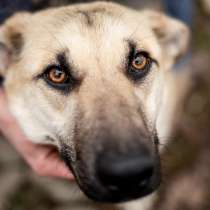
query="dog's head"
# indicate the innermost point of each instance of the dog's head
(90, 79)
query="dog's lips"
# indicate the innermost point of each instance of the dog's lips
(118, 196)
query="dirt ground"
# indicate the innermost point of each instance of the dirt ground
(186, 181)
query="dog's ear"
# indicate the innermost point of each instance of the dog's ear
(172, 34)
(11, 40)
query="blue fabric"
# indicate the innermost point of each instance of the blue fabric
(8, 7)
(180, 9)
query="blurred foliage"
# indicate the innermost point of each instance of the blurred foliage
(30, 196)
(186, 160)
(201, 29)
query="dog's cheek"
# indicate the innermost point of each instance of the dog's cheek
(29, 121)
(151, 99)
(167, 111)
(155, 98)
(32, 128)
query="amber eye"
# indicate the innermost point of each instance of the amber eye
(57, 75)
(139, 65)
(139, 62)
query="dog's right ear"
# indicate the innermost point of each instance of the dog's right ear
(173, 35)
(11, 41)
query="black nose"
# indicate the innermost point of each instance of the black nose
(130, 173)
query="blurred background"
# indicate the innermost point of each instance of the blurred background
(186, 162)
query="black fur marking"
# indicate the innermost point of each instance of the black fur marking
(62, 61)
(156, 139)
(67, 155)
(88, 17)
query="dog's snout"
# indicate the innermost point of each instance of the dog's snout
(132, 172)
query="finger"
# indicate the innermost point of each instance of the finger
(49, 164)
(60, 170)
(57, 167)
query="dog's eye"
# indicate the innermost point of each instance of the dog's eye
(139, 62)
(57, 76)
(139, 65)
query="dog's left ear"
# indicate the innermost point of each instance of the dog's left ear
(11, 40)
(172, 34)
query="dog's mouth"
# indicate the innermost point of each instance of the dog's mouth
(113, 194)
(117, 178)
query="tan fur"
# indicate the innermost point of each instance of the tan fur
(94, 38)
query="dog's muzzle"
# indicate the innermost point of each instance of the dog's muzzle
(118, 177)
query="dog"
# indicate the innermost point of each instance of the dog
(95, 81)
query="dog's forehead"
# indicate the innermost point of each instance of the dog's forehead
(89, 35)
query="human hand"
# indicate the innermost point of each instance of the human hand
(44, 160)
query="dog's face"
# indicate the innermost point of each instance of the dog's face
(90, 79)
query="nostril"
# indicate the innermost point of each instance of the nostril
(121, 172)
